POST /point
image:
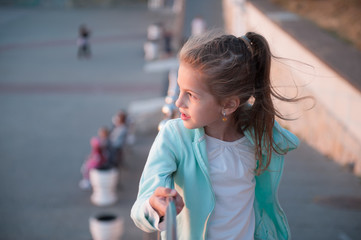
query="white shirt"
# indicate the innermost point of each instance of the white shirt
(231, 168)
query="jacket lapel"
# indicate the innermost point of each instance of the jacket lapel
(200, 150)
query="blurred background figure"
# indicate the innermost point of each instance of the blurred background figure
(152, 45)
(198, 26)
(84, 42)
(103, 135)
(154, 32)
(118, 137)
(167, 39)
(155, 4)
(95, 159)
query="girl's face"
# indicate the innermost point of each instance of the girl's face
(197, 106)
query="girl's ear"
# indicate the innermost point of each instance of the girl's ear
(231, 104)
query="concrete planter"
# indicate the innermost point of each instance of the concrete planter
(151, 50)
(104, 182)
(106, 227)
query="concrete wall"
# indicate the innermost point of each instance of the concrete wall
(333, 125)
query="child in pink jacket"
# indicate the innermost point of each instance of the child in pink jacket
(94, 160)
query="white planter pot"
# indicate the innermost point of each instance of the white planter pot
(106, 227)
(151, 50)
(104, 183)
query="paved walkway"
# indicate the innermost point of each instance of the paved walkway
(51, 104)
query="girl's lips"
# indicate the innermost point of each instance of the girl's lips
(184, 117)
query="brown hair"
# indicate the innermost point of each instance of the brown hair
(240, 67)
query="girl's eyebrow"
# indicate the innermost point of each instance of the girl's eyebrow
(189, 90)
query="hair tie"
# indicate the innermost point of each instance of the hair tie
(244, 37)
(248, 43)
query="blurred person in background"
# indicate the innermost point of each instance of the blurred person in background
(117, 139)
(95, 159)
(198, 26)
(83, 42)
(104, 137)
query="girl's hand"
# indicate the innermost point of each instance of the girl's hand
(158, 200)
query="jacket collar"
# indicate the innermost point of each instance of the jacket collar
(200, 148)
(283, 139)
(199, 135)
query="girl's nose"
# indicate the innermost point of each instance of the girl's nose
(179, 101)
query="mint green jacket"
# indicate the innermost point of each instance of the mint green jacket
(178, 159)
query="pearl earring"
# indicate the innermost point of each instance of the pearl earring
(224, 118)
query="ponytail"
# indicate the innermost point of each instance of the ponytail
(262, 112)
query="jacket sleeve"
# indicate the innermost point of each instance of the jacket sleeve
(158, 170)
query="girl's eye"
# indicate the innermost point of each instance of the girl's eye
(190, 95)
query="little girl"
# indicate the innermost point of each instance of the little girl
(95, 159)
(222, 160)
